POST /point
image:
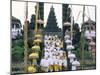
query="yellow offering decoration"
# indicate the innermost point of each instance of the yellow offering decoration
(38, 35)
(34, 56)
(31, 69)
(37, 41)
(36, 48)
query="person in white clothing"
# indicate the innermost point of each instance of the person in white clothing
(64, 61)
(44, 64)
(46, 54)
(56, 65)
(60, 64)
(51, 63)
(60, 53)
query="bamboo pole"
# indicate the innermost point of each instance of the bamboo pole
(82, 40)
(71, 24)
(36, 25)
(25, 39)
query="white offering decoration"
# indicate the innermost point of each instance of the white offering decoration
(69, 47)
(67, 24)
(40, 21)
(75, 64)
(71, 56)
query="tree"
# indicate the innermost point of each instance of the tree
(17, 50)
(32, 23)
(66, 13)
(77, 34)
(17, 53)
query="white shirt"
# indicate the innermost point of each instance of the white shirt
(51, 61)
(64, 62)
(60, 62)
(42, 63)
(56, 61)
(61, 53)
(53, 57)
(46, 63)
(46, 54)
(50, 54)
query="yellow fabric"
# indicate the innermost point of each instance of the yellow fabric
(56, 68)
(60, 68)
(51, 67)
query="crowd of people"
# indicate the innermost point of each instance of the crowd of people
(54, 57)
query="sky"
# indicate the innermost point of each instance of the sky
(18, 11)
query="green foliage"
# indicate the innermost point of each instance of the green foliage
(17, 50)
(17, 53)
(18, 43)
(77, 51)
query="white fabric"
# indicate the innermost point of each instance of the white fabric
(66, 37)
(64, 62)
(71, 55)
(51, 61)
(70, 47)
(90, 34)
(56, 61)
(87, 33)
(46, 63)
(50, 54)
(52, 51)
(93, 34)
(76, 63)
(61, 53)
(46, 54)
(53, 57)
(42, 63)
(71, 60)
(68, 41)
(60, 62)
(73, 67)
